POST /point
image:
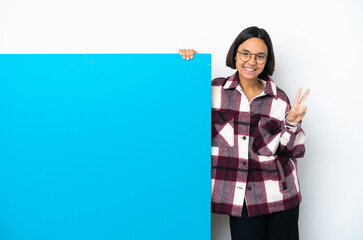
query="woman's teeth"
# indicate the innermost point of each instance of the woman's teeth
(250, 69)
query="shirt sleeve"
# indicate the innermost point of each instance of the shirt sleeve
(292, 142)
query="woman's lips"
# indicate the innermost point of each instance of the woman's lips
(250, 70)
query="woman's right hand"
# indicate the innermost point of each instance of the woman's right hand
(187, 53)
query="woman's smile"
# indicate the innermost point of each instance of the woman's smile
(249, 70)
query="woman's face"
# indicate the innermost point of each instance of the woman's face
(250, 69)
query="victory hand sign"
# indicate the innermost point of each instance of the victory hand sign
(298, 110)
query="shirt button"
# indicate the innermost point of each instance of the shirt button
(249, 188)
(244, 137)
(244, 163)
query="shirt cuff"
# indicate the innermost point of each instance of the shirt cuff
(291, 127)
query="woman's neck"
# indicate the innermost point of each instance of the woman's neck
(251, 84)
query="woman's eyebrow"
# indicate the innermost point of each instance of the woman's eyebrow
(250, 52)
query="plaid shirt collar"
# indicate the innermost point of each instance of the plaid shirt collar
(233, 82)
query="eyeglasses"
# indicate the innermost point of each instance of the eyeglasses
(245, 56)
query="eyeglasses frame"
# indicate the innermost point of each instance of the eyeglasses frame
(251, 56)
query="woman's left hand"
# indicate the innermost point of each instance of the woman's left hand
(298, 110)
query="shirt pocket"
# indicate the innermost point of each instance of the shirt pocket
(282, 176)
(223, 128)
(275, 170)
(267, 138)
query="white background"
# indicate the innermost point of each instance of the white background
(318, 45)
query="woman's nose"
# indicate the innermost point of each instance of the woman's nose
(252, 60)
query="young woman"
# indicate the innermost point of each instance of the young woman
(256, 141)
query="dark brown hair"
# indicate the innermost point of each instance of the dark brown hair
(253, 32)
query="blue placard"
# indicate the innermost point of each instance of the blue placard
(104, 146)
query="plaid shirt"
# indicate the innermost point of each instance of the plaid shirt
(254, 150)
